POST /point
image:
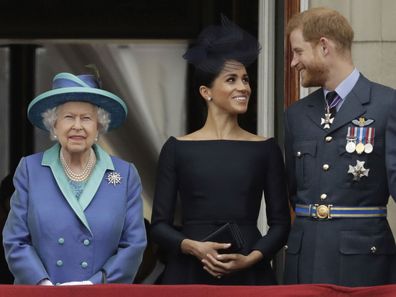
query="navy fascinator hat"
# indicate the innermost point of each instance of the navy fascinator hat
(217, 44)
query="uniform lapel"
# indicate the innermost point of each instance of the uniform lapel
(353, 106)
(103, 163)
(51, 159)
(315, 109)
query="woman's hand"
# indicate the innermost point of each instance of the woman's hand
(220, 264)
(201, 250)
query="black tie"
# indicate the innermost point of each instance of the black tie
(330, 97)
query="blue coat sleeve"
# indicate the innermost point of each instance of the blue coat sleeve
(20, 254)
(123, 265)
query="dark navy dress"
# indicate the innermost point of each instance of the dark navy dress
(219, 181)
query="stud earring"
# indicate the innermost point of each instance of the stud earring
(209, 98)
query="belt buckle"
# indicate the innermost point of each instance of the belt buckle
(323, 211)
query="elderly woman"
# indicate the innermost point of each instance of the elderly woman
(76, 214)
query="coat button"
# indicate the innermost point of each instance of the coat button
(298, 154)
(86, 242)
(59, 263)
(373, 249)
(84, 264)
(323, 196)
(326, 167)
(61, 240)
(328, 138)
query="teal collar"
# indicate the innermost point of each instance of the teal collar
(103, 163)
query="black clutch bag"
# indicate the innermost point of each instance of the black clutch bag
(228, 233)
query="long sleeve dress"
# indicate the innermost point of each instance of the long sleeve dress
(219, 181)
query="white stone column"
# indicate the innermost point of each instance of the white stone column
(266, 82)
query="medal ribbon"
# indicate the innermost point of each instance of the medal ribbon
(361, 135)
(351, 140)
(351, 133)
(370, 135)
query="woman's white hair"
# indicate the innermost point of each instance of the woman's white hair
(50, 116)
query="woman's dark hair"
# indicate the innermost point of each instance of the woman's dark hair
(205, 78)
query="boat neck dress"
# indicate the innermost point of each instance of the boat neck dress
(215, 182)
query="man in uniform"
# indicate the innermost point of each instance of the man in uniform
(340, 147)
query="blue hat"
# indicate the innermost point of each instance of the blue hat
(67, 87)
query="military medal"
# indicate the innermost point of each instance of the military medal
(350, 147)
(327, 120)
(358, 171)
(368, 147)
(361, 133)
(351, 140)
(360, 148)
(360, 139)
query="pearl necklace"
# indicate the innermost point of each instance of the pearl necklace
(79, 177)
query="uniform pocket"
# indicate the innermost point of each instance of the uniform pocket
(304, 153)
(366, 258)
(293, 257)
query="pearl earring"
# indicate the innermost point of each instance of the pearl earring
(209, 98)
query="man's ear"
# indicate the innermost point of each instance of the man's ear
(324, 45)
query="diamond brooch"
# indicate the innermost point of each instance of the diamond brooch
(114, 178)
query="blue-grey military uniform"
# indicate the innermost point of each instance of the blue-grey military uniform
(341, 234)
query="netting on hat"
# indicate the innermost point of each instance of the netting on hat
(217, 44)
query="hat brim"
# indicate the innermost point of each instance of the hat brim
(50, 99)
